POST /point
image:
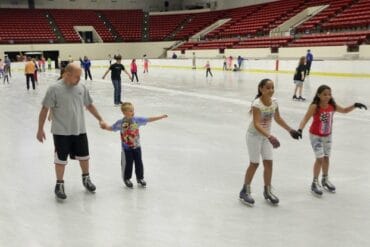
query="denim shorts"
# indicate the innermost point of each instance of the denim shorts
(321, 145)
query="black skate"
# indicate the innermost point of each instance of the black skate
(301, 98)
(59, 191)
(269, 196)
(128, 183)
(295, 97)
(245, 196)
(87, 183)
(141, 182)
(316, 188)
(327, 185)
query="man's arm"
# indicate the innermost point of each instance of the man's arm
(92, 109)
(42, 117)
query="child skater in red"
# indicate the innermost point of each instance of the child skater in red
(322, 110)
(134, 70)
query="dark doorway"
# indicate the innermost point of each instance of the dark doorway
(31, 4)
(86, 36)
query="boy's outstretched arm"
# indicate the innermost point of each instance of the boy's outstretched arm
(152, 119)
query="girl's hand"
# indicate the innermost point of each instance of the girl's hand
(360, 106)
(274, 141)
(296, 134)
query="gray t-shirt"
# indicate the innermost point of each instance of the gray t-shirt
(67, 108)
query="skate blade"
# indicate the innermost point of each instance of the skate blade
(246, 203)
(330, 191)
(316, 195)
(271, 203)
(58, 199)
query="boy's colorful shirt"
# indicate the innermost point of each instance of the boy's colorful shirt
(129, 128)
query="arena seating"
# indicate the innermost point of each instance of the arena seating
(333, 8)
(197, 23)
(256, 19)
(25, 26)
(343, 22)
(66, 19)
(331, 39)
(128, 23)
(161, 26)
(262, 42)
(358, 15)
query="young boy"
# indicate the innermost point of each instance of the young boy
(130, 138)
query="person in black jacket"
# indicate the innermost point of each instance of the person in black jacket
(299, 76)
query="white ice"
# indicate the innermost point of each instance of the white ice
(194, 162)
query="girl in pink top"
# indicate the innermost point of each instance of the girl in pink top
(146, 64)
(133, 67)
(322, 110)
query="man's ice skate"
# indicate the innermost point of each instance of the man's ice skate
(269, 196)
(86, 181)
(59, 191)
(245, 195)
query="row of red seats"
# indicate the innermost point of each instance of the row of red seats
(334, 6)
(67, 19)
(25, 26)
(333, 39)
(336, 43)
(236, 43)
(128, 23)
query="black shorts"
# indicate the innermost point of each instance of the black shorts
(76, 147)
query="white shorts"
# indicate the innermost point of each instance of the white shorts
(258, 145)
(321, 145)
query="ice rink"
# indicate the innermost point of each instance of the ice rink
(194, 163)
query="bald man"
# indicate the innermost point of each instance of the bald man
(66, 100)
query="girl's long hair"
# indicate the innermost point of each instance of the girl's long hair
(262, 83)
(316, 99)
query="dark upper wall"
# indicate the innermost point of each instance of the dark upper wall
(146, 5)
